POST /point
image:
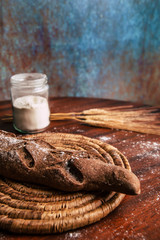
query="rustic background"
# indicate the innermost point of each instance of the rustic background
(91, 48)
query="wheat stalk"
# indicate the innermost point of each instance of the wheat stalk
(144, 120)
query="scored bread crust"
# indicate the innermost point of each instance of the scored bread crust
(66, 162)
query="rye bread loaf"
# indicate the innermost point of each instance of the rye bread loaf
(47, 163)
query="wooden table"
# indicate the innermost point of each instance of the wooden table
(137, 217)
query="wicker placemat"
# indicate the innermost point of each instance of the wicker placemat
(32, 209)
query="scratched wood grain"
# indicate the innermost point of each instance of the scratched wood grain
(137, 217)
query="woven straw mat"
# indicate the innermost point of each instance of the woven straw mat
(31, 209)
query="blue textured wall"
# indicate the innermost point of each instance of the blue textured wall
(99, 48)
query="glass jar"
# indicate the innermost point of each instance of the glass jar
(29, 94)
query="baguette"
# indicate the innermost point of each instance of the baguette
(40, 162)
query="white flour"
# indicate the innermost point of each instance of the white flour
(31, 113)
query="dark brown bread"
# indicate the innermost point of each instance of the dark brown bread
(41, 162)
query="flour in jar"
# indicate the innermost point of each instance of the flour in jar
(31, 113)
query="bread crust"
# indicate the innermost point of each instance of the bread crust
(41, 160)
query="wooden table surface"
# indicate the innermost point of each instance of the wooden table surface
(137, 217)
